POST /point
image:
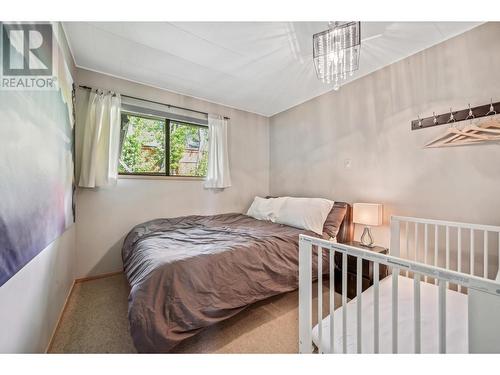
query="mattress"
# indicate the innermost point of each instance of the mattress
(456, 320)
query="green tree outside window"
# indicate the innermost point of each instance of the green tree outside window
(144, 149)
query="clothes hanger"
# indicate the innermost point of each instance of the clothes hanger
(451, 133)
(439, 138)
(490, 126)
(469, 139)
(491, 122)
(467, 129)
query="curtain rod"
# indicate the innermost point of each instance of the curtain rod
(152, 101)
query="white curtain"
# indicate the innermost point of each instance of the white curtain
(101, 140)
(218, 176)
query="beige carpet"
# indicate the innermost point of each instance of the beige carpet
(95, 321)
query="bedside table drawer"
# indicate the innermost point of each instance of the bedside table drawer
(351, 284)
(366, 273)
(352, 265)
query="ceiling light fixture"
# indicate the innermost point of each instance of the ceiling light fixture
(336, 52)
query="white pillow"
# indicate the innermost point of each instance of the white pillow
(498, 277)
(265, 209)
(304, 213)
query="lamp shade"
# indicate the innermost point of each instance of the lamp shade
(367, 213)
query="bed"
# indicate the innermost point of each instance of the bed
(190, 272)
(442, 295)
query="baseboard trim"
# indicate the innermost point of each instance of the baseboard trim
(100, 276)
(63, 310)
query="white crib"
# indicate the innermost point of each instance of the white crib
(438, 297)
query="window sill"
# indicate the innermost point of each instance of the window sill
(152, 177)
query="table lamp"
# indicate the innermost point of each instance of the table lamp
(367, 214)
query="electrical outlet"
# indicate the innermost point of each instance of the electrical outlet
(347, 163)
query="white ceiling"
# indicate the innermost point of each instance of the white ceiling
(261, 67)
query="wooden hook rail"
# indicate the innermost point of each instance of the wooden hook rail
(462, 115)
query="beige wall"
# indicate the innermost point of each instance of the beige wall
(31, 301)
(367, 124)
(105, 216)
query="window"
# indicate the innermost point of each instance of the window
(158, 146)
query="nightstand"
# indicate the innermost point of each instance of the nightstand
(367, 270)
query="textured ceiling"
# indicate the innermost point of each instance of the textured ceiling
(261, 67)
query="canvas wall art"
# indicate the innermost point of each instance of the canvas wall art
(36, 149)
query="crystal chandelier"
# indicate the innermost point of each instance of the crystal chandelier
(336, 52)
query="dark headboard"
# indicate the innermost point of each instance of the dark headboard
(346, 230)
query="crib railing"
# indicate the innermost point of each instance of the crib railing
(419, 271)
(447, 244)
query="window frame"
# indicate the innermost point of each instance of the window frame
(166, 122)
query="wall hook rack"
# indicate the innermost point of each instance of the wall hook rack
(462, 115)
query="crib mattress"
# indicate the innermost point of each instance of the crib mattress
(456, 320)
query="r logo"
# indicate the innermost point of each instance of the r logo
(27, 49)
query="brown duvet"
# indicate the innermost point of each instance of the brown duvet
(190, 272)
